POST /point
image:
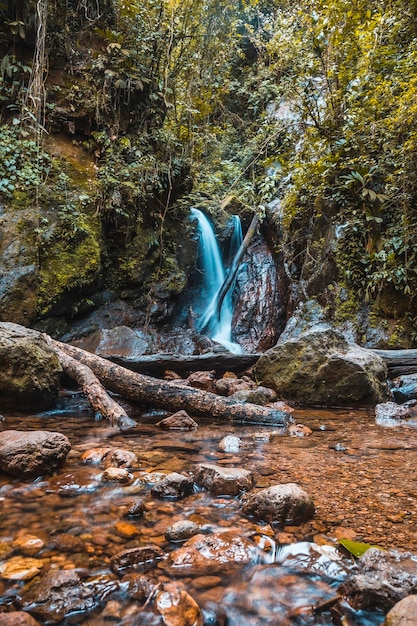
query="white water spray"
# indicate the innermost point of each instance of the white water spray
(210, 265)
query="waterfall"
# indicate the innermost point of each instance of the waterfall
(210, 265)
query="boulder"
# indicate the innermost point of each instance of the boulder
(225, 481)
(30, 454)
(320, 368)
(403, 613)
(381, 579)
(178, 421)
(30, 370)
(282, 504)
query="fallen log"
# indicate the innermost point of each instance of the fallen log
(94, 391)
(172, 396)
(399, 362)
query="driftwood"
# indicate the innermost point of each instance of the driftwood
(399, 362)
(235, 264)
(156, 364)
(170, 395)
(94, 391)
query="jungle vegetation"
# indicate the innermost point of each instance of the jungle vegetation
(310, 106)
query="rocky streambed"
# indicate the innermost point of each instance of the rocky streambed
(153, 526)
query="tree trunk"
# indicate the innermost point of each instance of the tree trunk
(172, 396)
(96, 395)
(235, 264)
(399, 362)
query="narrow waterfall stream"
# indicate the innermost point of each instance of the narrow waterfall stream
(210, 265)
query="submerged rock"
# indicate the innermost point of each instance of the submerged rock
(30, 454)
(392, 414)
(182, 530)
(20, 568)
(282, 504)
(137, 560)
(17, 618)
(319, 367)
(30, 370)
(225, 481)
(230, 443)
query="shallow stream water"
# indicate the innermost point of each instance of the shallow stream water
(361, 477)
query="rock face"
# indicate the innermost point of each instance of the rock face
(30, 454)
(283, 504)
(30, 370)
(260, 312)
(319, 367)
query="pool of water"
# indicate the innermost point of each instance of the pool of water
(362, 479)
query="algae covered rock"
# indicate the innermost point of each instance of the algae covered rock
(319, 367)
(30, 370)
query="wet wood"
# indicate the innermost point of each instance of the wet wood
(156, 364)
(235, 264)
(94, 391)
(399, 362)
(170, 395)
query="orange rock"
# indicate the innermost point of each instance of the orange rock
(177, 607)
(126, 529)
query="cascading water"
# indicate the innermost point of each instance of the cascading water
(212, 270)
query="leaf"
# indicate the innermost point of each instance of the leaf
(356, 548)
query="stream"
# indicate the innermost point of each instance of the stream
(362, 478)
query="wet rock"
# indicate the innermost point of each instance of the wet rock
(382, 578)
(178, 421)
(29, 545)
(95, 456)
(110, 457)
(73, 484)
(68, 543)
(206, 381)
(118, 341)
(112, 611)
(117, 474)
(274, 595)
(391, 414)
(205, 554)
(174, 486)
(139, 587)
(299, 430)
(30, 370)
(230, 443)
(139, 559)
(226, 481)
(405, 388)
(177, 607)
(227, 386)
(135, 509)
(17, 618)
(403, 613)
(260, 395)
(6, 549)
(319, 367)
(20, 568)
(60, 593)
(259, 314)
(282, 504)
(29, 454)
(182, 530)
(120, 458)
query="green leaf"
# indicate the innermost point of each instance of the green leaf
(356, 548)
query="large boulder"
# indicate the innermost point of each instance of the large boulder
(319, 367)
(30, 454)
(30, 370)
(280, 504)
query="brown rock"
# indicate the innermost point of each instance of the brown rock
(177, 607)
(227, 481)
(139, 587)
(29, 454)
(206, 381)
(182, 530)
(17, 618)
(404, 613)
(174, 485)
(139, 559)
(178, 421)
(125, 529)
(299, 430)
(282, 504)
(20, 568)
(29, 545)
(95, 455)
(117, 474)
